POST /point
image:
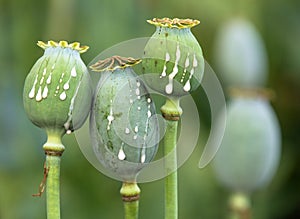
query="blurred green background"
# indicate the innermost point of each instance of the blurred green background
(86, 193)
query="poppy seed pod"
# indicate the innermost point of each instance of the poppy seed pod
(240, 54)
(250, 150)
(173, 58)
(57, 93)
(124, 129)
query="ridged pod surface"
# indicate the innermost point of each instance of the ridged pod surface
(173, 61)
(57, 93)
(250, 151)
(124, 129)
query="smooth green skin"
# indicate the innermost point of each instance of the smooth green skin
(240, 54)
(171, 197)
(165, 40)
(114, 91)
(52, 113)
(249, 154)
(53, 187)
(131, 209)
(53, 144)
(171, 107)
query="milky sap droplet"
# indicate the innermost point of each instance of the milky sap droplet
(127, 131)
(32, 91)
(164, 73)
(136, 129)
(143, 157)
(187, 86)
(45, 92)
(67, 126)
(39, 94)
(137, 91)
(66, 86)
(110, 118)
(167, 58)
(195, 62)
(121, 154)
(42, 80)
(169, 87)
(187, 61)
(48, 81)
(73, 72)
(186, 65)
(63, 96)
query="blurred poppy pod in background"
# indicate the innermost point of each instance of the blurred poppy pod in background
(250, 151)
(241, 55)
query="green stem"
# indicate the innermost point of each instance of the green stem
(171, 112)
(171, 205)
(131, 210)
(130, 194)
(53, 191)
(53, 149)
(240, 207)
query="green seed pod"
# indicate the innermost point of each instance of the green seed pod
(173, 58)
(57, 93)
(241, 55)
(250, 150)
(124, 133)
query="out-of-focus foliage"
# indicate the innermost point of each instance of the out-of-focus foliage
(86, 193)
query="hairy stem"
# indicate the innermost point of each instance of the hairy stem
(171, 112)
(130, 194)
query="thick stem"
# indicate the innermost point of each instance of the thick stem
(130, 194)
(131, 209)
(53, 190)
(171, 199)
(240, 206)
(171, 112)
(53, 149)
